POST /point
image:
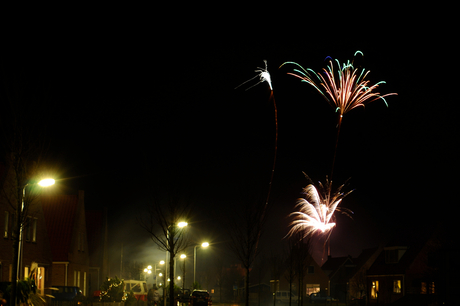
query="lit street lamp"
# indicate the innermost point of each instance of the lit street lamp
(147, 271)
(164, 283)
(203, 245)
(42, 183)
(183, 256)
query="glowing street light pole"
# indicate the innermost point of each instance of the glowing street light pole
(164, 282)
(147, 271)
(204, 245)
(183, 256)
(43, 183)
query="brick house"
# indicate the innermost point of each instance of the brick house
(315, 280)
(409, 268)
(96, 225)
(36, 251)
(66, 225)
(347, 275)
(339, 270)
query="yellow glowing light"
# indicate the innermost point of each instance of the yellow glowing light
(182, 224)
(46, 182)
(205, 244)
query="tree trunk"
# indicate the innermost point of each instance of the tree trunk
(14, 266)
(246, 287)
(171, 277)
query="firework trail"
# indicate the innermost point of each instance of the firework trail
(344, 87)
(317, 208)
(264, 76)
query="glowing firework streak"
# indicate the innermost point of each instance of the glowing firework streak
(264, 76)
(344, 88)
(317, 209)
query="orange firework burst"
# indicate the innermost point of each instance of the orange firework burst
(316, 209)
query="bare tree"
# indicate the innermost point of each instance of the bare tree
(302, 259)
(162, 223)
(22, 148)
(245, 232)
(219, 272)
(290, 273)
(276, 262)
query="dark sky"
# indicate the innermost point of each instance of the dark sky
(133, 104)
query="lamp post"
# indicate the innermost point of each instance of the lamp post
(147, 271)
(43, 183)
(169, 250)
(164, 283)
(183, 256)
(204, 245)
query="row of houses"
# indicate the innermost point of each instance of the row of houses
(417, 265)
(62, 245)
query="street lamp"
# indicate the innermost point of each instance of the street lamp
(147, 271)
(43, 183)
(203, 245)
(183, 256)
(164, 283)
(182, 224)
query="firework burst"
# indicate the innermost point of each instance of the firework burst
(343, 86)
(317, 208)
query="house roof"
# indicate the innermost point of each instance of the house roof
(60, 212)
(413, 240)
(333, 264)
(365, 255)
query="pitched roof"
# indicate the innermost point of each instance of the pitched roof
(334, 264)
(412, 240)
(60, 212)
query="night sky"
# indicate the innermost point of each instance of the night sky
(133, 106)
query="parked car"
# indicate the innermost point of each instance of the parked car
(66, 293)
(282, 297)
(200, 298)
(320, 297)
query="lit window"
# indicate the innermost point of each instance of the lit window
(34, 230)
(397, 286)
(27, 228)
(423, 288)
(13, 225)
(7, 217)
(432, 291)
(313, 288)
(375, 290)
